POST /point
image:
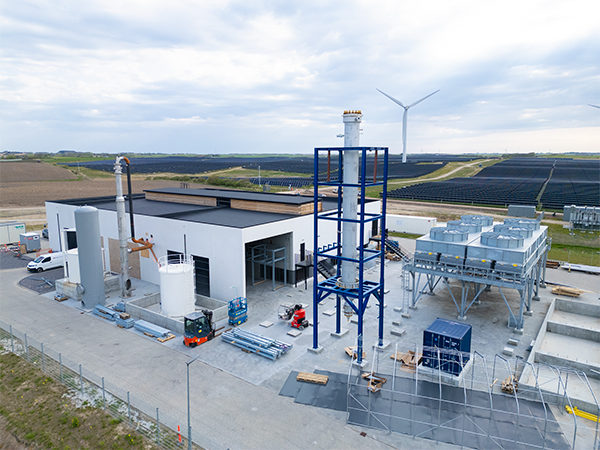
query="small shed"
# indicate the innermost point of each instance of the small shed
(31, 241)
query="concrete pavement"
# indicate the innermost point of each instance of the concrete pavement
(227, 412)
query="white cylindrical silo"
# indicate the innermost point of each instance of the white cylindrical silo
(176, 285)
(87, 225)
(352, 121)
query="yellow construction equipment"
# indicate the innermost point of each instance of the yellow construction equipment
(585, 415)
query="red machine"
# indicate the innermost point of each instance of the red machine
(199, 328)
(296, 313)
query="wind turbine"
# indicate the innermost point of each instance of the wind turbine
(405, 118)
(595, 106)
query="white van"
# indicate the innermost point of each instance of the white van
(47, 261)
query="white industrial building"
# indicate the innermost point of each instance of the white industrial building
(234, 237)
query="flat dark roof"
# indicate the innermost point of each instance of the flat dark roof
(212, 215)
(237, 195)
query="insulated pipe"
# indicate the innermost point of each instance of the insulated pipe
(124, 281)
(352, 121)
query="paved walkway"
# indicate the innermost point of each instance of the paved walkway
(226, 411)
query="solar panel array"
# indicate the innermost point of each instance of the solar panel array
(518, 181)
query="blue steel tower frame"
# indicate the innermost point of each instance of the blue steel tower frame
(358, 298)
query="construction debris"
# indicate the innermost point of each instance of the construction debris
(408, 360)
(510, 385)
(353, 353)
(312, 378)
(375, 382)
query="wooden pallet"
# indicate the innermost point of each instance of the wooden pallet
(408, 360)
(375, 382)
(351, 351)
(312, 378)
(165, 339)
(563, 290)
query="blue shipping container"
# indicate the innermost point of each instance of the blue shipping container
(455, 337)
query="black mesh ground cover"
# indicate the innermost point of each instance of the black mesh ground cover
(402, 412)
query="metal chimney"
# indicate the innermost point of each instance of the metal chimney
(352, 122)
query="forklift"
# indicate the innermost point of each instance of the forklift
(296, 313)
(199, 328)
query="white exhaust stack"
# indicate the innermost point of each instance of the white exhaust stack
(122, 223)
(352, 122)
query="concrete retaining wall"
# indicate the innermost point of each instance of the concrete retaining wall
(219, 308)
(574, 331)
(581, 308)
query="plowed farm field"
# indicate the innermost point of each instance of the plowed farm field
(25, 187)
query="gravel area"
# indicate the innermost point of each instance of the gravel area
(42, 282)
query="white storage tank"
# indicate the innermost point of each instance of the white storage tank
(72, 261)
(176, 285)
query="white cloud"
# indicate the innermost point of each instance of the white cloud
(276, 77)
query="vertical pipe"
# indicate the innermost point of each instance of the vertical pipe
(352, 121)
(61, 369)
(43, 358)
(316, 252)
(375, 168)
(81, 379)
(382, 231)
(362, 305)
(338, 267)
(121, 217)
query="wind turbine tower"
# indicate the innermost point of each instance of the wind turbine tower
(405, 118)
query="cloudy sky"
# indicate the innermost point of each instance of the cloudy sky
(219, 76)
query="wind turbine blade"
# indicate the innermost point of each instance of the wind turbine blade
(588, 104)
(419, 101)
(393, 99)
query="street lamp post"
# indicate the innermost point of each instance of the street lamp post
(188, 401)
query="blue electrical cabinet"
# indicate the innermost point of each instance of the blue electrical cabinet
(453, 339)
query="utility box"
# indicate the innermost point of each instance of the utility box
(31, 241)
(453, 339)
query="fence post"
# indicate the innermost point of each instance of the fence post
(81, 380)
(26, 347)
(12, 344)
(128, 408)
(43, 359)
(103, 394)
(157, 428)
(61, 371)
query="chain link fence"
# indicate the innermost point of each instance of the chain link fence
(88, 389)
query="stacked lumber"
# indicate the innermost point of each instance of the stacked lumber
(552, 264)
(563, 290)
(312, 378)
(392, 256)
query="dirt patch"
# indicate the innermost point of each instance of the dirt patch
(33, 171)
(21, 194)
